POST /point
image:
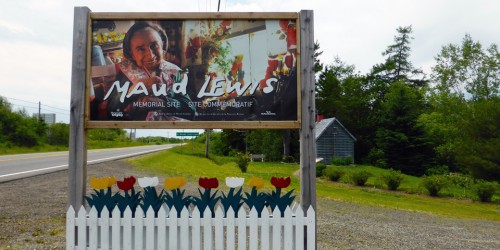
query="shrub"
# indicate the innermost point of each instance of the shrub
(437, 170)
(334, 174)
(434, 183)
(242, 160)
(460, 180)
(359, 178)
(486, 190)
(393, 179)
(289, 159)
(320, 168)
(341, 161)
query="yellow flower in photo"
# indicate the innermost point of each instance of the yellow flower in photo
(175, 182)
(256, 182)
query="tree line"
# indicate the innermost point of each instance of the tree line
(404, 119)
(19, 129)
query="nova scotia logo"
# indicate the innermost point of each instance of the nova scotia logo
(118, 113)
(268, 113)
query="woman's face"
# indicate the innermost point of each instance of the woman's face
(146, 48)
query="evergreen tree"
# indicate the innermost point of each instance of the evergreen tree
(397, 66)
(401, 140)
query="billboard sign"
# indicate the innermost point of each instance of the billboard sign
(197, 70)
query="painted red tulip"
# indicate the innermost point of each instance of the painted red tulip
(280, 182)
(126, 184)
(208, 182)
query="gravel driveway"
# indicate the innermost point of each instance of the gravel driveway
(32, 216)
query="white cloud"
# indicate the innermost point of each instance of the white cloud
(15, 28)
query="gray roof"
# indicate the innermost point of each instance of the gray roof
(325, 123)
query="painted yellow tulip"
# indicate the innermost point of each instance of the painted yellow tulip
(175, 182)
(99, 183)
(256, 182)
(102, 182)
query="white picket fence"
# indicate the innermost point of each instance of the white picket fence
(190, 231)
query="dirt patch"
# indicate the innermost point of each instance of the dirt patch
(33, 210)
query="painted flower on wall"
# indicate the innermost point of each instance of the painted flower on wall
(208, 183)
(126, 184)
(275, 199)
(176, 196)
(102, 182)
(148, 182)
(234, 182)
(207, 199)
(130, 198)
(232, 199)
(255, 199)
(175, 183)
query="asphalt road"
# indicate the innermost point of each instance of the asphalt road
(25, 165)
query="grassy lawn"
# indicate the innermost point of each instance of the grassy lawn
(188, 161)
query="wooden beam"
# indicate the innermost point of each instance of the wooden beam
(77, 163)
(307, 133)
(192, 15)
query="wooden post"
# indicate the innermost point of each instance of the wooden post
(307, 133)
(77, 165)
(307, 130)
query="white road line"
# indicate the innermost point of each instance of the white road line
(88, 162)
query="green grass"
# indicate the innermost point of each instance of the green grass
(189, 161)
(192, 164)
(9, 150)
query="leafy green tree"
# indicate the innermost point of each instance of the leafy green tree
(479, 147)
(443, 125)
(267, 142)
(58, 134)
(468, 70)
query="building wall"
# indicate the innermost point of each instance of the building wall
(334, 142)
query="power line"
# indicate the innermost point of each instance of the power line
(42, 105)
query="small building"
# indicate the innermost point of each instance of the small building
(49, 119)
(333, 140)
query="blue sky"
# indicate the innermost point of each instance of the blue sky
(36, 36)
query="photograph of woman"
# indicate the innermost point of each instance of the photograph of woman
(143, 88)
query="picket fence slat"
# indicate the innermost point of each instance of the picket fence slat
(230, 225)
(104, 227)
(196, 229)
(81, 223)
(149, 223)
(162, 228)
(115, 229)
(219, 229)
(254, 229)
(93, 228)
(138, 229)
(264, 238)
(299, 228)
(242, 228)
(167, 230)
(184, 235)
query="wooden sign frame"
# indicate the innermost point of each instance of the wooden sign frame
(79, 124)
(236, 124)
